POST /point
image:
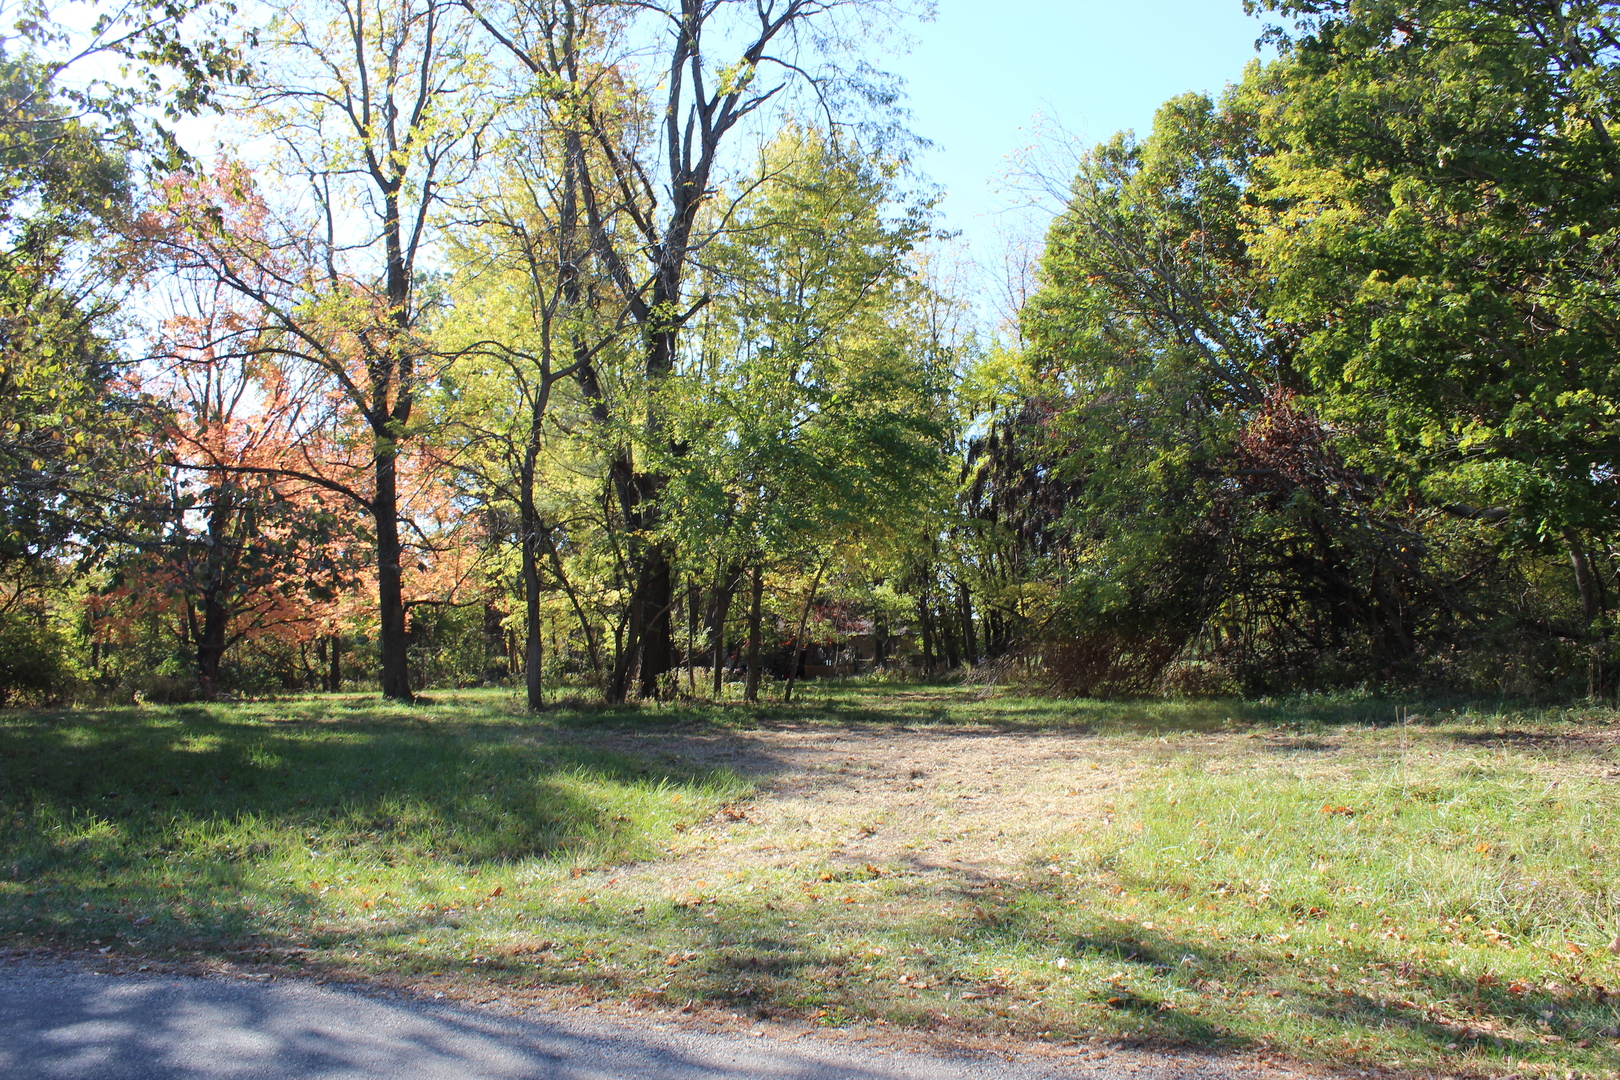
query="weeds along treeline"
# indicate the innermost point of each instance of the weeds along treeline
(616, 345)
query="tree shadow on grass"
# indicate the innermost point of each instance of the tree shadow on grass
(758, 963)
(1561, 743)
(1444, 1011)
(875, 706)
(963, 708)
(1010, 709)
(1438, 1009)
(170, 818)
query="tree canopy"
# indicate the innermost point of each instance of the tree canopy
(588, 344)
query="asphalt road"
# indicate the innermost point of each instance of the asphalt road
(60, 1021)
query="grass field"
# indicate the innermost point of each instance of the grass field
(1434, 896)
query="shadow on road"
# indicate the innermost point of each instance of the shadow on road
(55, 1026)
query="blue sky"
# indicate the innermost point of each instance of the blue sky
(982, 70)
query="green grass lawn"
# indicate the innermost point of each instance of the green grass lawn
(1435, 896)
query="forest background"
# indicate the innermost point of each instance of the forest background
(610, 347)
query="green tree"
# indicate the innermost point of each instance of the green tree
(1150, 347)
(377, 107)
(648, 150)
(60, 187)
(1197, 501)
(525, 325)
(1445, 188)
(810, 422)
(73, 149)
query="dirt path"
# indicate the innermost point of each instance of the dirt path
(959, 801)
(955, 810)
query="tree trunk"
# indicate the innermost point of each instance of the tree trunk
(945, 639)
(533, 670)
(494, 641)
(210, 636)
(657, 596)
(392, 645)
(658, 630)
(211, 641)
(693, 595)
(529, 529)
(757, 591)
(717, 644)
(970, 642)
(627, 642)
(1586, 585)
(335, 659)
(719, 608)
(995, 634)
(925, 624)
(798, 637)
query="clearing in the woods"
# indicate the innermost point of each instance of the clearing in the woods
(1380, 884)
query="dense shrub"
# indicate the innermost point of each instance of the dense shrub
(34, 662)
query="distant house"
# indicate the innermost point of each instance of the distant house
(846, 642)
(842, 641)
